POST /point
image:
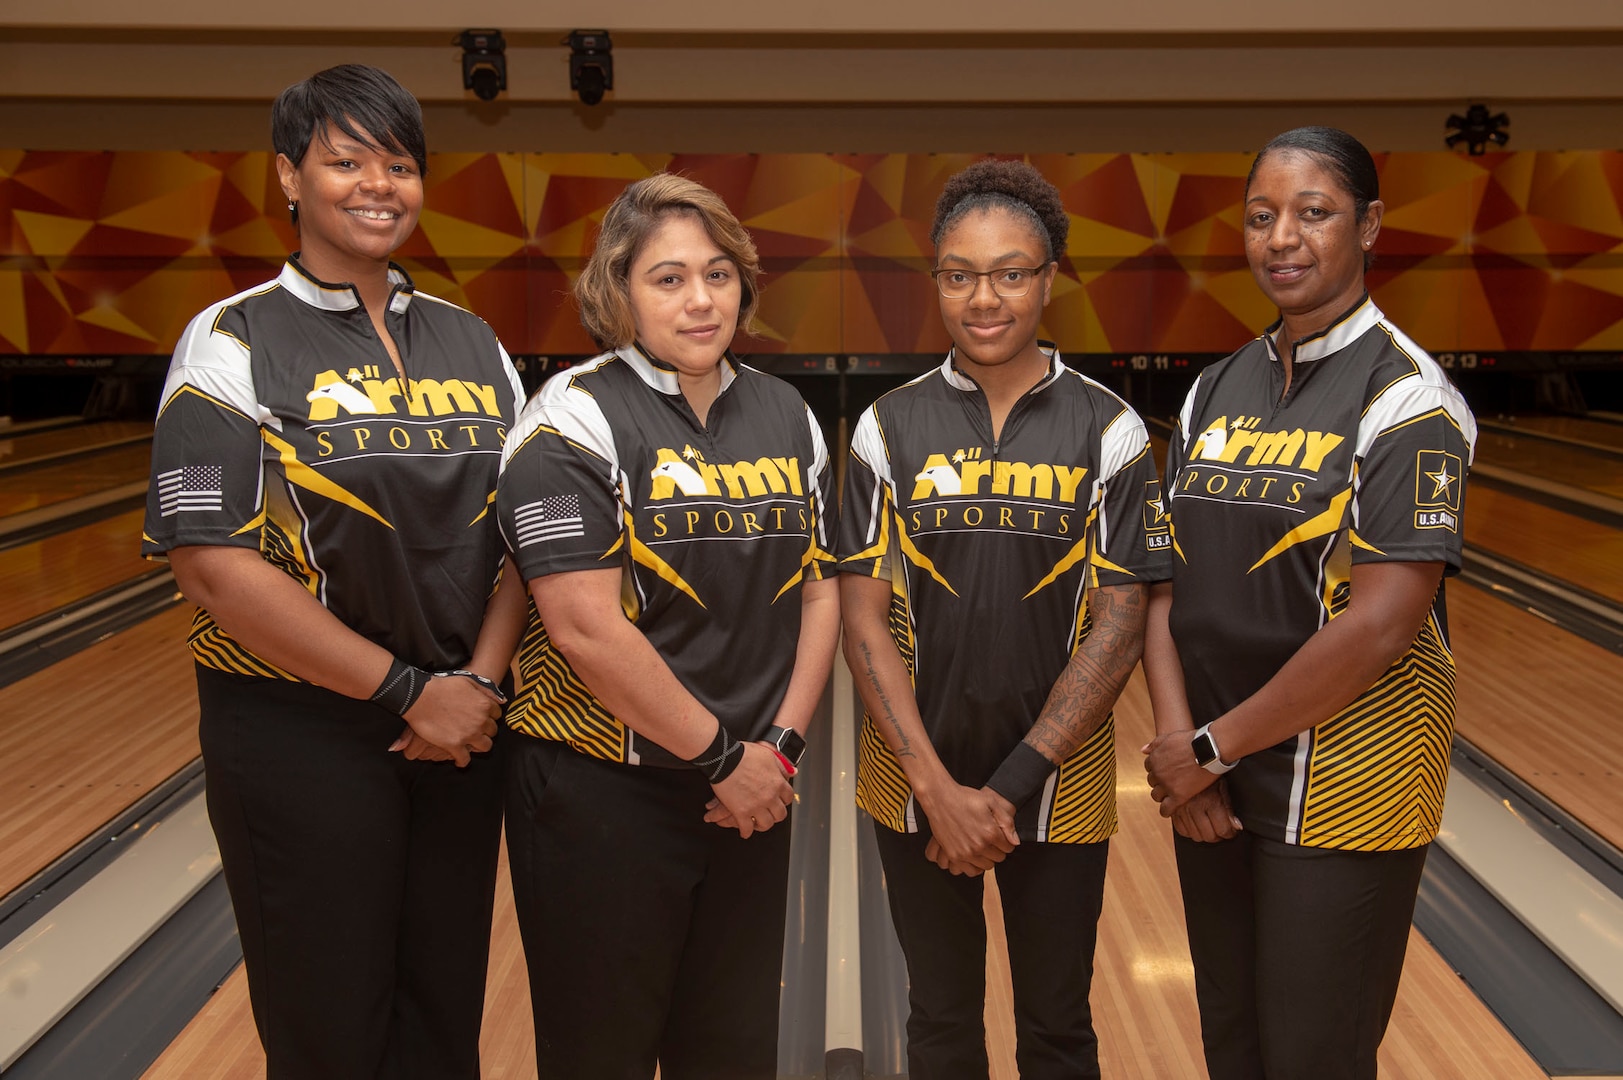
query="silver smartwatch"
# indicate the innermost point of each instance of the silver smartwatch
(1207, 755)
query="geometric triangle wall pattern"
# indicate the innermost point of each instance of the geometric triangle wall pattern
(112, 253)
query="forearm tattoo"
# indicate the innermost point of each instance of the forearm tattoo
(1093, 679)
(904, 745)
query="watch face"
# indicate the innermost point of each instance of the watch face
(1205, 752)
(791, 745)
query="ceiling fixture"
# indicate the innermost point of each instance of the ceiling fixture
(1477, 128)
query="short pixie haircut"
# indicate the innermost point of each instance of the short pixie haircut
(602, 290)
(363, 102)
(1004, 185)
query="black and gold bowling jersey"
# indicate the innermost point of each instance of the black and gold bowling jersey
(990, 547)
(284, 428)
(713, 526)
(1272, 503)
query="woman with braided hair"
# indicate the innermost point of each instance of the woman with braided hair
(996, 557)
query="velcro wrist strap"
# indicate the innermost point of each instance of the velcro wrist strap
(1021, 775)
(400, 688)
(720, 758)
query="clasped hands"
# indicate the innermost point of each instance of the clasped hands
(454, 718)
(1195, 800)
(971, 829)
(756, 796)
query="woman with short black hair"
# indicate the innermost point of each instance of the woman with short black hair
(323, 464)
(1298, 661)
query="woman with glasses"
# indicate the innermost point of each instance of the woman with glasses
(996, 549)
(669, 507)
(1298, 661)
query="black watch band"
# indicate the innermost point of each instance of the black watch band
(789, 742)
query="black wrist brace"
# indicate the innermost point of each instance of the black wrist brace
(720, 758)
(1021, 775)
(400, 688)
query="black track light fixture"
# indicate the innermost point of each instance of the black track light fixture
(484, 63)
(591, 64)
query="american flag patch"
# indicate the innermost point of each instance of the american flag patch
(193, 487)
(554, 518)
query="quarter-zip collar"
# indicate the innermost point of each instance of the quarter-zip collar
(1346, 329)
(342, 296)
(959, 381)
(662, 377)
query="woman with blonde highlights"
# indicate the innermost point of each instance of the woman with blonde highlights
(669, 508)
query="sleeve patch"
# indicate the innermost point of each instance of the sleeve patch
(191, 488)
(1157, 522)
(1438, 480)
(556, 517)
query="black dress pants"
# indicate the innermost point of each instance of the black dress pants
(1052, 895)
(362, 882)
(650, 935)
(1297, 954)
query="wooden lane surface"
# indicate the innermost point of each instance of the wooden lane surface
(33, 488)
(1143, 990)
(1564, 546)
(89, 736)
(221, 1043)
(1143, 994)
(17, 448)
(1572, 427)
(42, 576)
(1543, 703)
(1552, 461)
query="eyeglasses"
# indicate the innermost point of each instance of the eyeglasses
(1007, 281)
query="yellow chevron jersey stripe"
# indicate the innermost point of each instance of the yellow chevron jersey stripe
(1376, 771)
(713, 527)
(990, 545)
(551, 701)
(1276, 498)
(286, 428)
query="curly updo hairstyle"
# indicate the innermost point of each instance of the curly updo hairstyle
(1004, 185)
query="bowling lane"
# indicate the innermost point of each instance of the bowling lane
(1601, 432)
(1558, 462)
(1543, 703)
(31, 489)
(47, 574)
(1563, 546)
(1143, 992)
(88, 736)
(19, 449)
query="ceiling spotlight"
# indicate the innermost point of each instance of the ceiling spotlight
(591, 67)
(1476, 129)
(484, 63)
